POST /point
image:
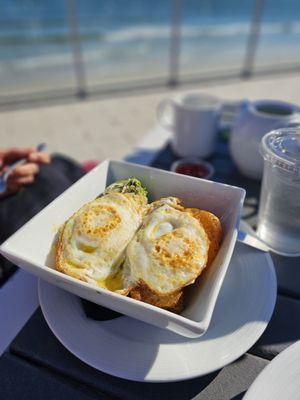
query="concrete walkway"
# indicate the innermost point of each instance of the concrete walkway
(110, 128)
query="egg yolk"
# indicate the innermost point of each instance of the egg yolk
(112, 283)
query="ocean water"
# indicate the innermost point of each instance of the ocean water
(129, 38)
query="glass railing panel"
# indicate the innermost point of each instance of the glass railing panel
(124, 41)
(35, 54)
(279, 42)
(214, 35)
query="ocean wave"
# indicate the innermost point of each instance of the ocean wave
(125, 46)
(50, 60)
(50, 38)
(152, 32)
(146, 32)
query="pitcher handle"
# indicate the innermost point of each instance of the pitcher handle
(165, 121)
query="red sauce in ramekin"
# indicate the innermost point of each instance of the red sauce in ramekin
(197, 170)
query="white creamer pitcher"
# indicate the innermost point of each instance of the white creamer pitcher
(255, 119)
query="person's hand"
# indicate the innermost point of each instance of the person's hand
(23, 174)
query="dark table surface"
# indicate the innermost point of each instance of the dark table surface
(37, 366)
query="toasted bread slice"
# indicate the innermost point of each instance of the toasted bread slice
(212, 227)
(172, 302)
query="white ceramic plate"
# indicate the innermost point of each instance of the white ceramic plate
(131, 349)
(280, 379)
(31, 246)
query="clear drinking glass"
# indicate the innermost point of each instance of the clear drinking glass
(279, 207)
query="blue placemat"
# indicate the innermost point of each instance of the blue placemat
(37, 344)
(229, 383)
(21, 380)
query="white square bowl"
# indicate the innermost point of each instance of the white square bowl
(30, 247)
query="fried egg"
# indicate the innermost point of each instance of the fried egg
(91, 244)
(168, 252)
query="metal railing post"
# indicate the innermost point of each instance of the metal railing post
(78, 62)
(253, 38)
(175, 42)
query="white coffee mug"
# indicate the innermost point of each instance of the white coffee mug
(193, 119)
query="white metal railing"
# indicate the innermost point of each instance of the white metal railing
(253, 37)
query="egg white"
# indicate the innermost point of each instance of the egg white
(92, 242)
(168, 252)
